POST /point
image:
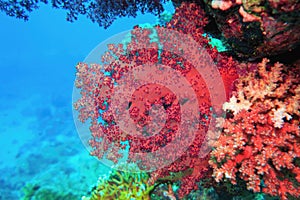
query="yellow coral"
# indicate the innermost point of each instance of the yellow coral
(123, 182)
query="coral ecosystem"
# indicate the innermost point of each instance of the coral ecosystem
(252, 138)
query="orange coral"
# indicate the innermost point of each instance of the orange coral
(260, 140)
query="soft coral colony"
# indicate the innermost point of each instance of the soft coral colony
(260, 139)
(97, 90)
(259, 136)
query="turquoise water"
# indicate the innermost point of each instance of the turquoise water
(41, 153)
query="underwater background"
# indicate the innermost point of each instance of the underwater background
(41, 153)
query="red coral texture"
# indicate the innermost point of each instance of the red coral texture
(97, 87)
(260, 139)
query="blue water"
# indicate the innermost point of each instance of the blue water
(41, 152)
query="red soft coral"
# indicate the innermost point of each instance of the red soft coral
(150, 116)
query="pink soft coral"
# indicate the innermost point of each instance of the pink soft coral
(260, 139)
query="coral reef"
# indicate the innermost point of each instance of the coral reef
(256, 29)
(260, 136)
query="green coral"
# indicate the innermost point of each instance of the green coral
(124, 182)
